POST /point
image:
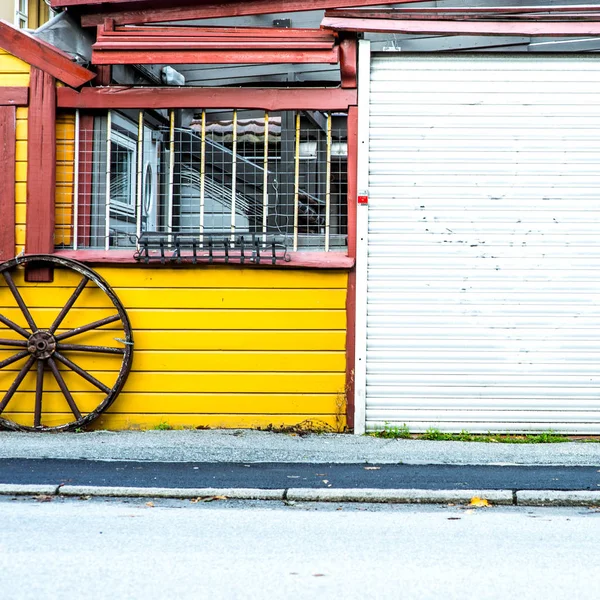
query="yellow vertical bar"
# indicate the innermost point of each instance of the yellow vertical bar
(233, 174)
(140, 170)
(76, 181)
(328, 184)
(265, 179)
(202, 173)
(296, 180)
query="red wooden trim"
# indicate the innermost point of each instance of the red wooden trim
(101, 56)
(352, 169)
(350, 347)
(212, 32)
(349, 62)
(550, 12)
(14, 96)
(433, 27)
(42, 55)
(116, 97)
(151, 11)
(41, 168)
(313, 260)
(8, 124)
(104, 75)
(84, 201)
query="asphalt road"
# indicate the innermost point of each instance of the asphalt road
(96, 549)
(296, 475)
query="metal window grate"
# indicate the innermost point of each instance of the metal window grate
(192, 175)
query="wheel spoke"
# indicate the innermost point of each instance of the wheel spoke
(16, 383)
(97, 349)
(39, 391)
(14, 326)
(17, 343)
(65, 361)
(19, 299)
(63, 388)
(13, 359)
(67, 307)
(89, 327)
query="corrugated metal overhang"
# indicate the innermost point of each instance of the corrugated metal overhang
(483, 269)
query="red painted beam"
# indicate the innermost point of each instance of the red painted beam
(44, 56)
(41, 168)
(502, 11)
(116, 97)
(8, 123)
(217, 32)
(349, 63)
(213, 57)
(438, 27)
(14, 96)
(151, 11)
(298, 260)
(351, 293)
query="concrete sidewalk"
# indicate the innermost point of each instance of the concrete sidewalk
(245, 446)
(259, 446)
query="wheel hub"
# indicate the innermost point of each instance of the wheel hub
(41, 344)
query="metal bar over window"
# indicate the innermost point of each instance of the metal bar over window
(140, 169)
(265, 179)
(328, 185)
(233, 174)
(76, 182)
(108, 164)
(296, 180)
(171, 172)
(202, 173)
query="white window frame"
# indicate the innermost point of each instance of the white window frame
(21, 17)
(125, 208)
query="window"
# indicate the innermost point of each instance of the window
(122, 174)
(198, 173)
(22, 13)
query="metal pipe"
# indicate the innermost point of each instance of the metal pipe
(233, 174)
(76, 182)
(107, 193)
(328, 185)
(171, 173)
(265, 179)
(202, 174)
(140, 168)
(296, 180)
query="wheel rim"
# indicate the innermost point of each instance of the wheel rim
(52, 352)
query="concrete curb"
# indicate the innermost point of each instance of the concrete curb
(139, 492)
(394, 496)
(17, 489)
(398, 496)
(558, 498)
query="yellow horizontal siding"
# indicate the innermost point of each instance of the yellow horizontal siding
(198, 319)
(116, 421)
(13, 69)
(217, 346)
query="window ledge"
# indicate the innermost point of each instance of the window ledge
(313, 260)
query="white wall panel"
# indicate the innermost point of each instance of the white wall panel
(483, 268)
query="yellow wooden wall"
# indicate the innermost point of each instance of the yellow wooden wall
(15, 72)
(65, 169)
(214, 346)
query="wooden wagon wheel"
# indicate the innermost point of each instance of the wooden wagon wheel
(49, 352)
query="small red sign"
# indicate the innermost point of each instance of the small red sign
(363, 199)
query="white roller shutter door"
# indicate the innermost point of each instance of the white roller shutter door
(483, 271)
